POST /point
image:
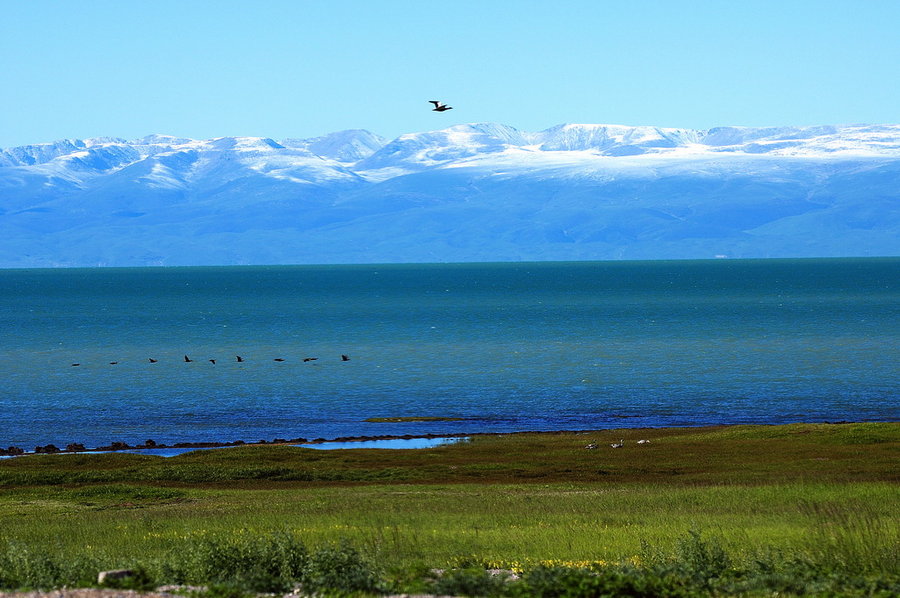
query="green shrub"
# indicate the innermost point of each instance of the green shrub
(339, 567)
(257, 563)
(568, 582)
(469, 582)
(24, 567)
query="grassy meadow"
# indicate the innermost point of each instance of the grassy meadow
(721, 510)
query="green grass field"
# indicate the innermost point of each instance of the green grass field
(820, 497)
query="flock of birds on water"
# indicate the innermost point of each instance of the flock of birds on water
(238, 359)
(438, 107)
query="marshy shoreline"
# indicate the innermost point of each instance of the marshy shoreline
(796, 509)
(149, 445)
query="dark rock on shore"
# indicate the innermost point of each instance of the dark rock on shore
(200, 444)
(115, 446)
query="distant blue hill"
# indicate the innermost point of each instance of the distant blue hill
(472, 192)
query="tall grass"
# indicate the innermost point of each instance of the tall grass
(515, 523)
(788, 509)
(852, 538)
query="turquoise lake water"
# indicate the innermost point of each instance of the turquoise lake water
(505, 347)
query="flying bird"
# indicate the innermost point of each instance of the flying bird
(239, 358)
(439, 106)
(187, 359)
(345, 358)
(152, 360)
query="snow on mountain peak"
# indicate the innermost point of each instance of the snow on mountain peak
(347, 146)
(157, 139)
(613, 139)
(475, 191)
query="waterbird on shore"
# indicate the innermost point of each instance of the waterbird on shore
(619, 444)
(439, 106)
(643, 442)
(187, 359)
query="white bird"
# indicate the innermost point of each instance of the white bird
(643, 442)
(439, 106)
(619, 444)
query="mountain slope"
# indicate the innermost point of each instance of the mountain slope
(472, 192)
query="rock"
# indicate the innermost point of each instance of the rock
(75, 447)
(107, 576)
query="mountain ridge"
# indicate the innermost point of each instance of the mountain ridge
(467, 192)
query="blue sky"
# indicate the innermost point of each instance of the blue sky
(281, 69)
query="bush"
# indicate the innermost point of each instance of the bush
(339, 567)
(259, 564)
(23, 567)
(568, 582)
(469, 582)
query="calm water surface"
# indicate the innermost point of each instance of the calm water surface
(536, 346)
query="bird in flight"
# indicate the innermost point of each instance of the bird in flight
(439, 106)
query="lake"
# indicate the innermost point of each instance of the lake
(503, 347)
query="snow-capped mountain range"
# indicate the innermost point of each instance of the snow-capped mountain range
(471, 192)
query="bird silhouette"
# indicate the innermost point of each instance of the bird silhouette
(153, 360)
(305, 359)
(278, 359)
(113, 363)
(187, 359)
(345, 358)
(212, 361)
(439, 106)
(239, 358)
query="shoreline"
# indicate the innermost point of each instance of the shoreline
(78, 448)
